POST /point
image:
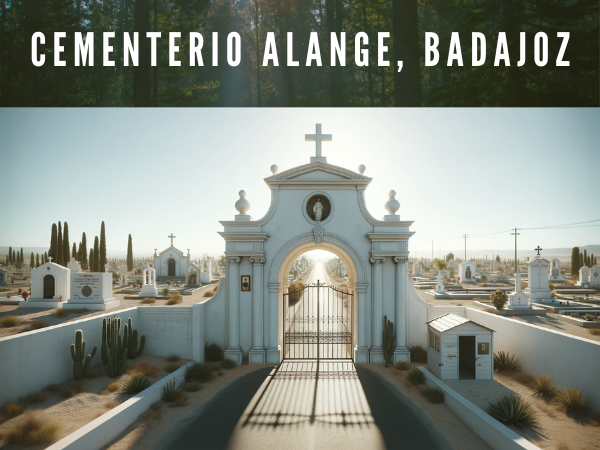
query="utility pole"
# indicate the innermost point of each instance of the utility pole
(515, 234)
(432, 250)
(465, 236)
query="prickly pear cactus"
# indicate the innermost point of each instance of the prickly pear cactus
(80, 369)
(389, 340)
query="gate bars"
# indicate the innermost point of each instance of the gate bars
(317, 322)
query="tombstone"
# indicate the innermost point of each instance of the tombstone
(416, 270)
(595, 277)
(123, 276)
(517, 299)
(50, 287)
(3, 277)
(466, 271)
(92, 291)
(148, 283)
(206, 271)
(584, 276)
(73, 266)
(439, 286)
(538, 289)
(555, 273)
(192, 274)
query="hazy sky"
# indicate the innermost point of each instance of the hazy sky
(156, 171)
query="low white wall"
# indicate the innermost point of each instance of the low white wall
(497, 435)
(571, 361)
(168, 330)
(417, 316)
(33, 360)
(215, 316)
(110, 425)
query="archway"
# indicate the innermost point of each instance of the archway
(171, 264)
(49, 286)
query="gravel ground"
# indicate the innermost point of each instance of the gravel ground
(479, 392)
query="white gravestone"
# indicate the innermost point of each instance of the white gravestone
(439, 286)
(148, 283)
(416, 271)
(518, 300)
(595, 277)
(92, 291)
(466, 271)
(584, 276)
(73, 266)
(206, 273)
(538, 280)
(555, 273)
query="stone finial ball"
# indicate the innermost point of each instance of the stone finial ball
(361, 169)
(242, 205)
(274, 169)
(392, 205)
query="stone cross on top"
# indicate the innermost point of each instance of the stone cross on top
(50, 258)
(538, 249)
(318, 137)
(171, 237)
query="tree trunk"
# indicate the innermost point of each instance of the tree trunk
(405, 30)
(141, 73)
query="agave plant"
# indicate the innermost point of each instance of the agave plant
(543, 386)
(572, 401)
(512, 409)
(136, 384)
(170, 391)
(504, 362)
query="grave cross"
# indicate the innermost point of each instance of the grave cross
(171, 237)
(538, 249)
(318, 137)
(50, 258)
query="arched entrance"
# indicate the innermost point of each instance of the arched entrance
(171, 264)
(49, 286)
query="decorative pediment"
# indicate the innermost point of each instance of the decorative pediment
(171, 249)
(317, 173)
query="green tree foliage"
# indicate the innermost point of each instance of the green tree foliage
(53, 242)
(91, 260)
(66, 246)
(37, 259)
(103, 259)
(575, 261)
(252, 84)
(59, 246)
(96, 261)
(84, 252)
(9, 259)
(32, 261)
(129, 254)
(21, 259)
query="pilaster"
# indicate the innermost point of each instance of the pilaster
(257, 352)
(234, 351)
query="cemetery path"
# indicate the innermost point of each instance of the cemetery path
(309, 405)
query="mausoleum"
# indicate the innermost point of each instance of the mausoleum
(466, 271)
(171, 262)
(50, 286)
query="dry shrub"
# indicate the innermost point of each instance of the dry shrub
(115, 386)
(416, 377)
(192, 386)
(32, 428)
(402, 365)
(433, 395)
(594, 331)
(181, 400)
(145, 368)
(37, 397)
(52, 388)
(594, 421)
(37, 324)
(95, 373)
(418, 354)
(156, 406)
(61, 312)
(12, 409)
(209, 293)
(77, 387)
(110, 404)
(175, 299)
(173, 358)
(9, 321)
(572, 401)
(543, 386)
(172, 367)
(148, 301)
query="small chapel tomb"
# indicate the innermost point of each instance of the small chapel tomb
(148, 283)
(460, 349)
(50, 287)
(466, 272)
(171, 262)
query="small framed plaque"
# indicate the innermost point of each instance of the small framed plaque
(245, 283)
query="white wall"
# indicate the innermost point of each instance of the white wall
(215, 316)
(168, 330)
(570, 361)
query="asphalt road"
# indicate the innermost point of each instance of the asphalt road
(308, 405)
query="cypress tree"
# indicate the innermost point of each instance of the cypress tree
(37, 260)
(9, 259)
(129, 254)
(59, 245)
(103, 259)
(45, 257)
(91, 259)
(74, 252)
(32, 261)
(581, 263)
(585, 258)
(96, 264)
(15, 259)
(84, 252)
(66, 246)
(53, 241)
(575, 261)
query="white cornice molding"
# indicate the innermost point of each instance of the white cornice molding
(347, 178)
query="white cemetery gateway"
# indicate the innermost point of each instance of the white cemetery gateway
(460, 349)
(259, 254)
(50, 286)
(148, 283)
(92, 291)
(584, 276)
(3, 277)
(171, 262)
(73, 266)
(555, 273)
(595, 277)
(206, 272)
(466, 271)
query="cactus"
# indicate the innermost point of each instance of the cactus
(389, 340)
(80, 369)
(114, 356)
(130, 339)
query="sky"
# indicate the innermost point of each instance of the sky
(153, 172)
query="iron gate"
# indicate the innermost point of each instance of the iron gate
(317, 322)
